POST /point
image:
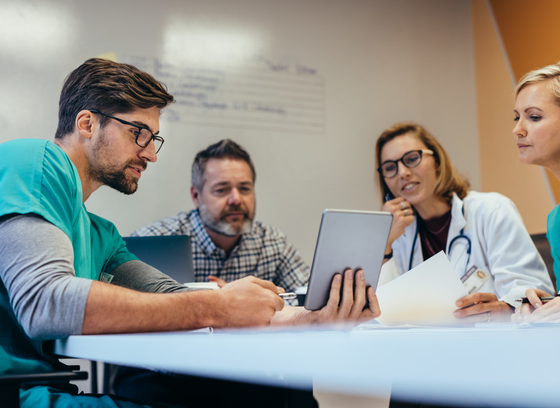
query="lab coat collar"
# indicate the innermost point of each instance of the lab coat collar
(458, 220)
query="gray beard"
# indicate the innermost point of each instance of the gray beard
(222, 227)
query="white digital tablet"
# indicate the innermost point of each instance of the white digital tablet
(347, 239)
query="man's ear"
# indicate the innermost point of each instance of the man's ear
(85, 124)
(195, 195)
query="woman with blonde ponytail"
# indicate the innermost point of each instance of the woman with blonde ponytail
(537, 136)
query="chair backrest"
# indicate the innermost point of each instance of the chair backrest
(543, 246)
(171, 254)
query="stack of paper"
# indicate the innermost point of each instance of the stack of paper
(425, 295)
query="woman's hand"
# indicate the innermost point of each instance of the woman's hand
(403, 215)
(547, 313)
(481, 308)
(536, 311)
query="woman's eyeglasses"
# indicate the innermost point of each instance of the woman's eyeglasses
(411, 159)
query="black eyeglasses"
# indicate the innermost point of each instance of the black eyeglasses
(411, 159)
(143, 136)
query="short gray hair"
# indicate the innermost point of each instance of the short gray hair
(224, 149)
(549, 74)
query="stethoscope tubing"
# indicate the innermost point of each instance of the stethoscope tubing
(449, 247)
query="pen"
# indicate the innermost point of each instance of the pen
(544, 299)
(288, 296)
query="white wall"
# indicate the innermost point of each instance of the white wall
(379, 62)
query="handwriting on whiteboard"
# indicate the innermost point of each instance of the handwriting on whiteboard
(261, 95)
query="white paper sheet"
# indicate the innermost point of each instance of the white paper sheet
(425, 295)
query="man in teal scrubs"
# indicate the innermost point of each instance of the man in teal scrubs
(65, 271)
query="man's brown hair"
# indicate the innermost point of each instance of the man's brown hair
(109, 87)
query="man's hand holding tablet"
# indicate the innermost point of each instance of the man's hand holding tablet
(336, 293)
(348, 307)
(351, 306)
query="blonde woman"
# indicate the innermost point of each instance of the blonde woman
(537, 135)
(434, 210)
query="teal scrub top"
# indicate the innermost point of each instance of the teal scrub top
(38, 177)
(553, 236)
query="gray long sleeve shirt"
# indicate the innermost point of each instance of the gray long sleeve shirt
(36, 267)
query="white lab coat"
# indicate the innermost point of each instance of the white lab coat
(501, 246)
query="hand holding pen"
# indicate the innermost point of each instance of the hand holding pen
(288, 295)
(544, 299)
(539, 307)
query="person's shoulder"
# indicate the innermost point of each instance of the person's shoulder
(265, 231)
(555, 211)
(40, 155)
(29, 153)
(41, 180)
(177, 224)
(52, 149)
(102, 225)
(478, 199)
(553, 218)
(24, 144)
(30, 149)
(487, 205)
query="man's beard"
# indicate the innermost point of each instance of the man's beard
(221, 226)
(113, 176)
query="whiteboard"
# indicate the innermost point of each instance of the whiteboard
(305, 86)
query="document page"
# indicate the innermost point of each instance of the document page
(425, 295)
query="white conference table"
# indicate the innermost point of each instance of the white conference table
(491, 366)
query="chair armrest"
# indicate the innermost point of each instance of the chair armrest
(42, 377)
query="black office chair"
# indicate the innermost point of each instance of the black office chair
(543, 246)
(13, 334)
(11, 384)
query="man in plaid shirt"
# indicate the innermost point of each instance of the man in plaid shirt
(226, 243)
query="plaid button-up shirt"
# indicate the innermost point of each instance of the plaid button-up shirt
(263, 252)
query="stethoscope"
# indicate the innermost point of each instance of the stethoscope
(449, 248)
